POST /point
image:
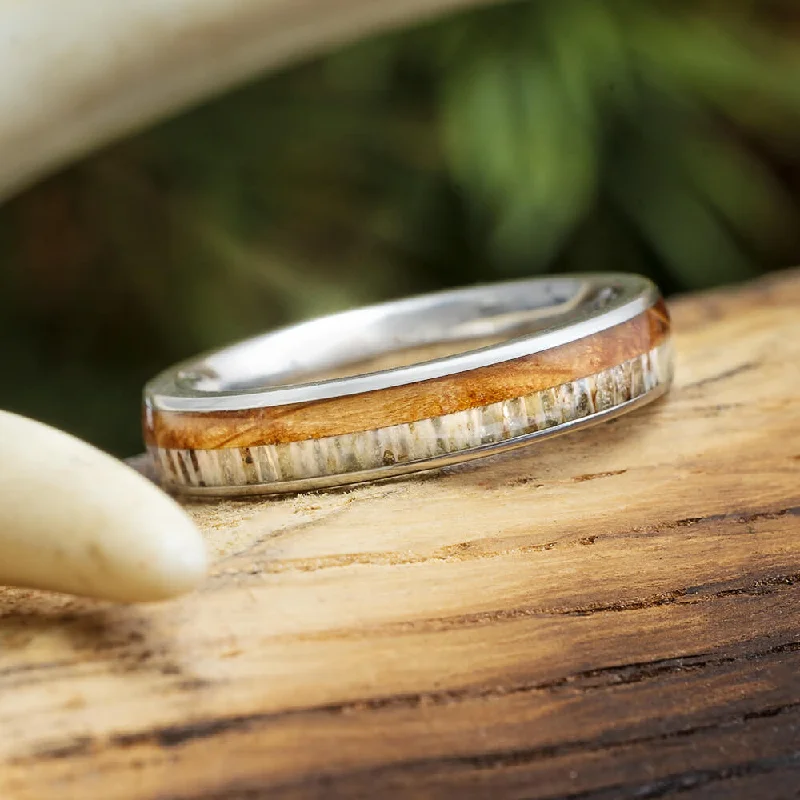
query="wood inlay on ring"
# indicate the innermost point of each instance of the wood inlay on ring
(411, 402)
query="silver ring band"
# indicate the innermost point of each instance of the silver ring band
(408, 385)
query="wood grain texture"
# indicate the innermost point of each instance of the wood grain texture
(412, 402)
(614, 614)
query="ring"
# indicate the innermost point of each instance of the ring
(409, 385)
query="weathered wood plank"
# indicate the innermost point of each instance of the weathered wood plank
(611, 614)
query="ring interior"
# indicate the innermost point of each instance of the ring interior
(396, 334)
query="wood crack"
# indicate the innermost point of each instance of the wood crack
(692, 595)
(472, 551)
(747, 366)
(522, 757)
(678, 783)
(604, 678)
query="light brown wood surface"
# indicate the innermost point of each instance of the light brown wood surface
(612, 614)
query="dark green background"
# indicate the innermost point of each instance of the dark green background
(546, 136)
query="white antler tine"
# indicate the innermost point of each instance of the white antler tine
(78, 73)
(73, 519)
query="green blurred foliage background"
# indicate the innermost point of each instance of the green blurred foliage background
(656, 136)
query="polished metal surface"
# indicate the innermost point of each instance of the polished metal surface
(278, 368)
